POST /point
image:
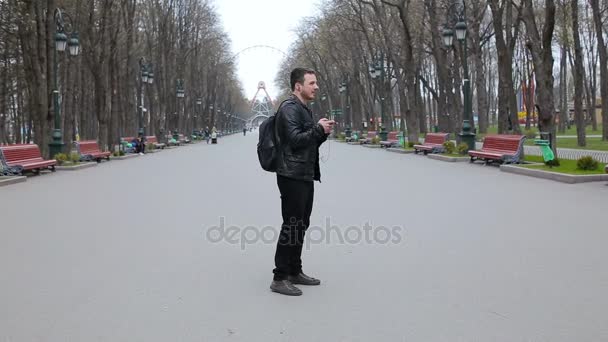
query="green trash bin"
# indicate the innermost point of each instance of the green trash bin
(545, 149)
(383, 134)
(402, 139)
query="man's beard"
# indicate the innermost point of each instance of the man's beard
(309, 96)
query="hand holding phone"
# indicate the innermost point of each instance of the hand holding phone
(327, 125)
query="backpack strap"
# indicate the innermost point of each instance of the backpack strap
(276, 121)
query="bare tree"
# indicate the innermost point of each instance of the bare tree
(540, 47)
(578, 73)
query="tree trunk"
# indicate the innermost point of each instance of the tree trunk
(603, 65)
(578, 71)
(505, 45)
(563, 90)
(33, 37)
(543, 64)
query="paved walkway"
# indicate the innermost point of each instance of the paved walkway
(125, 252)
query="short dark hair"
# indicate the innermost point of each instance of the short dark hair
(297, 76)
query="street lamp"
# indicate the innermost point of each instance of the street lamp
(73, 44)
(342, 88)
(199, 103)
(146, 77)
(180, 93)
(377, 73)
(466, 135)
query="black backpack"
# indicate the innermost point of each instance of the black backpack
(268, 142)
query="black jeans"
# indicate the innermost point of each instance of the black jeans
(296, 207)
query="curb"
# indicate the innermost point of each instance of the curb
(126, 156)
(448, 158)
(76, 167)
(371, 146)
(9, 180)
(554, 176)
(400, 150)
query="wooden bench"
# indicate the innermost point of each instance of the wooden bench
(368, 139)
(433, 143)
(391, 140)
(89, 151)
(153, 140)
(24, 157)
(127, 140)
(183, 139)
(170, 141)
(502, 148)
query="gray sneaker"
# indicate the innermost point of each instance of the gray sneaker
(285, 287)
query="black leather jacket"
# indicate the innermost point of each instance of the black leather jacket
(299, 140)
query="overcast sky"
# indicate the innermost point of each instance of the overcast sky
(262, 22)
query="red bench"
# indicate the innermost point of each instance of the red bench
(433, 143)
(89, 150)
(391, 140)
(368, 139)
(151, 139)
(183, 139)
(27, 157)
(503, 148)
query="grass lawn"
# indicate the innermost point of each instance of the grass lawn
(571, 131)
(566, 166)
(595, 144)
(588, 130)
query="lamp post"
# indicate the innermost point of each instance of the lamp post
(180, 95)
(73, 44)
(466, 135)
(199, 103)
(378, 74)
(343, 88)
(146, 77)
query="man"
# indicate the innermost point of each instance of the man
(299, 138)
(207, 134)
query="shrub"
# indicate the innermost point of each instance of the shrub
(530, 134)
(75, 157)
(587, 163)
(449, 146)
(121, 153)
(115, 154)
(342, 136)
(376, 140)
(411, 144)
(150, 147)
(463, 148)
(61, 158)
